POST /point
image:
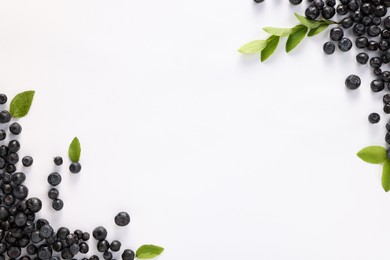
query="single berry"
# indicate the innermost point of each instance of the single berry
(386, 108)
(5, 117)
(103, 245)
(3, 99)
(329, 48)
(53, 193)
(336, 34)
(54, 179)
(122, 219)
(15, 128)
(14, 146)
(352, 82)
(377, 85)
(374, 118)
(375, 62)
(57, 204)
(115, 246)
(362, 58)
(128, 254)
(99, 233)
(345, 44)
(328, 12)
(27, 161)
(58, 160)
(373, 30)
(312, 12)
(75, 167)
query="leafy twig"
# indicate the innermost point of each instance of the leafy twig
(295, 35)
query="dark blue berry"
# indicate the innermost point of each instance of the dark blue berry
(5, 117)
(57, 204)
(115, 246)
(312, 12)
(347, 22)
(34, 204)
(373, 46)
(373, 30)
(13, 158)
(336, 34)
(27, 161)
(14, 146)
(362, 58)
(53, 193)
(374, 118)
(328, 12)
(375, 62)
(54, 179)
(99, 233)
(329, 48)
(15, 128)
(3, 99)
(377, 85)
(58, 160)
(128, 254)
(345, 44)
(342, 9)
(103, 245)
(75, 167)
(3, 135)
(122, 219)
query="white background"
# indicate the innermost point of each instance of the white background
(213, 154)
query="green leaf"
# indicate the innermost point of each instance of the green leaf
(21, 103)
(148, 251)
(328, 21)
(74, 150)
(308, 23)
(373, 154)
(278, 31)
(386, 176)
(317, 30)
(272, 43)
(253, 47)
(299, 32)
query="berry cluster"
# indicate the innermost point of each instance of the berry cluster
(368, 23)
(25, 236)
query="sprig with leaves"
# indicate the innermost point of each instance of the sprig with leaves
(378, 155)
(295, 35)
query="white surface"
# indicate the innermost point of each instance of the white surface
(215, 155)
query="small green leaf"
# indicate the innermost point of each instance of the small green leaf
(317, 30)
(148, 251)
(253, 47)
(299, 32)
(386, 176)
(74, 150)
(373, 154)
(278, 31)
(21, 103)
(272, 43)
(308, 23)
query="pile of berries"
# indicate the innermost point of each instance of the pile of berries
(25, 236)
(368, 22)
